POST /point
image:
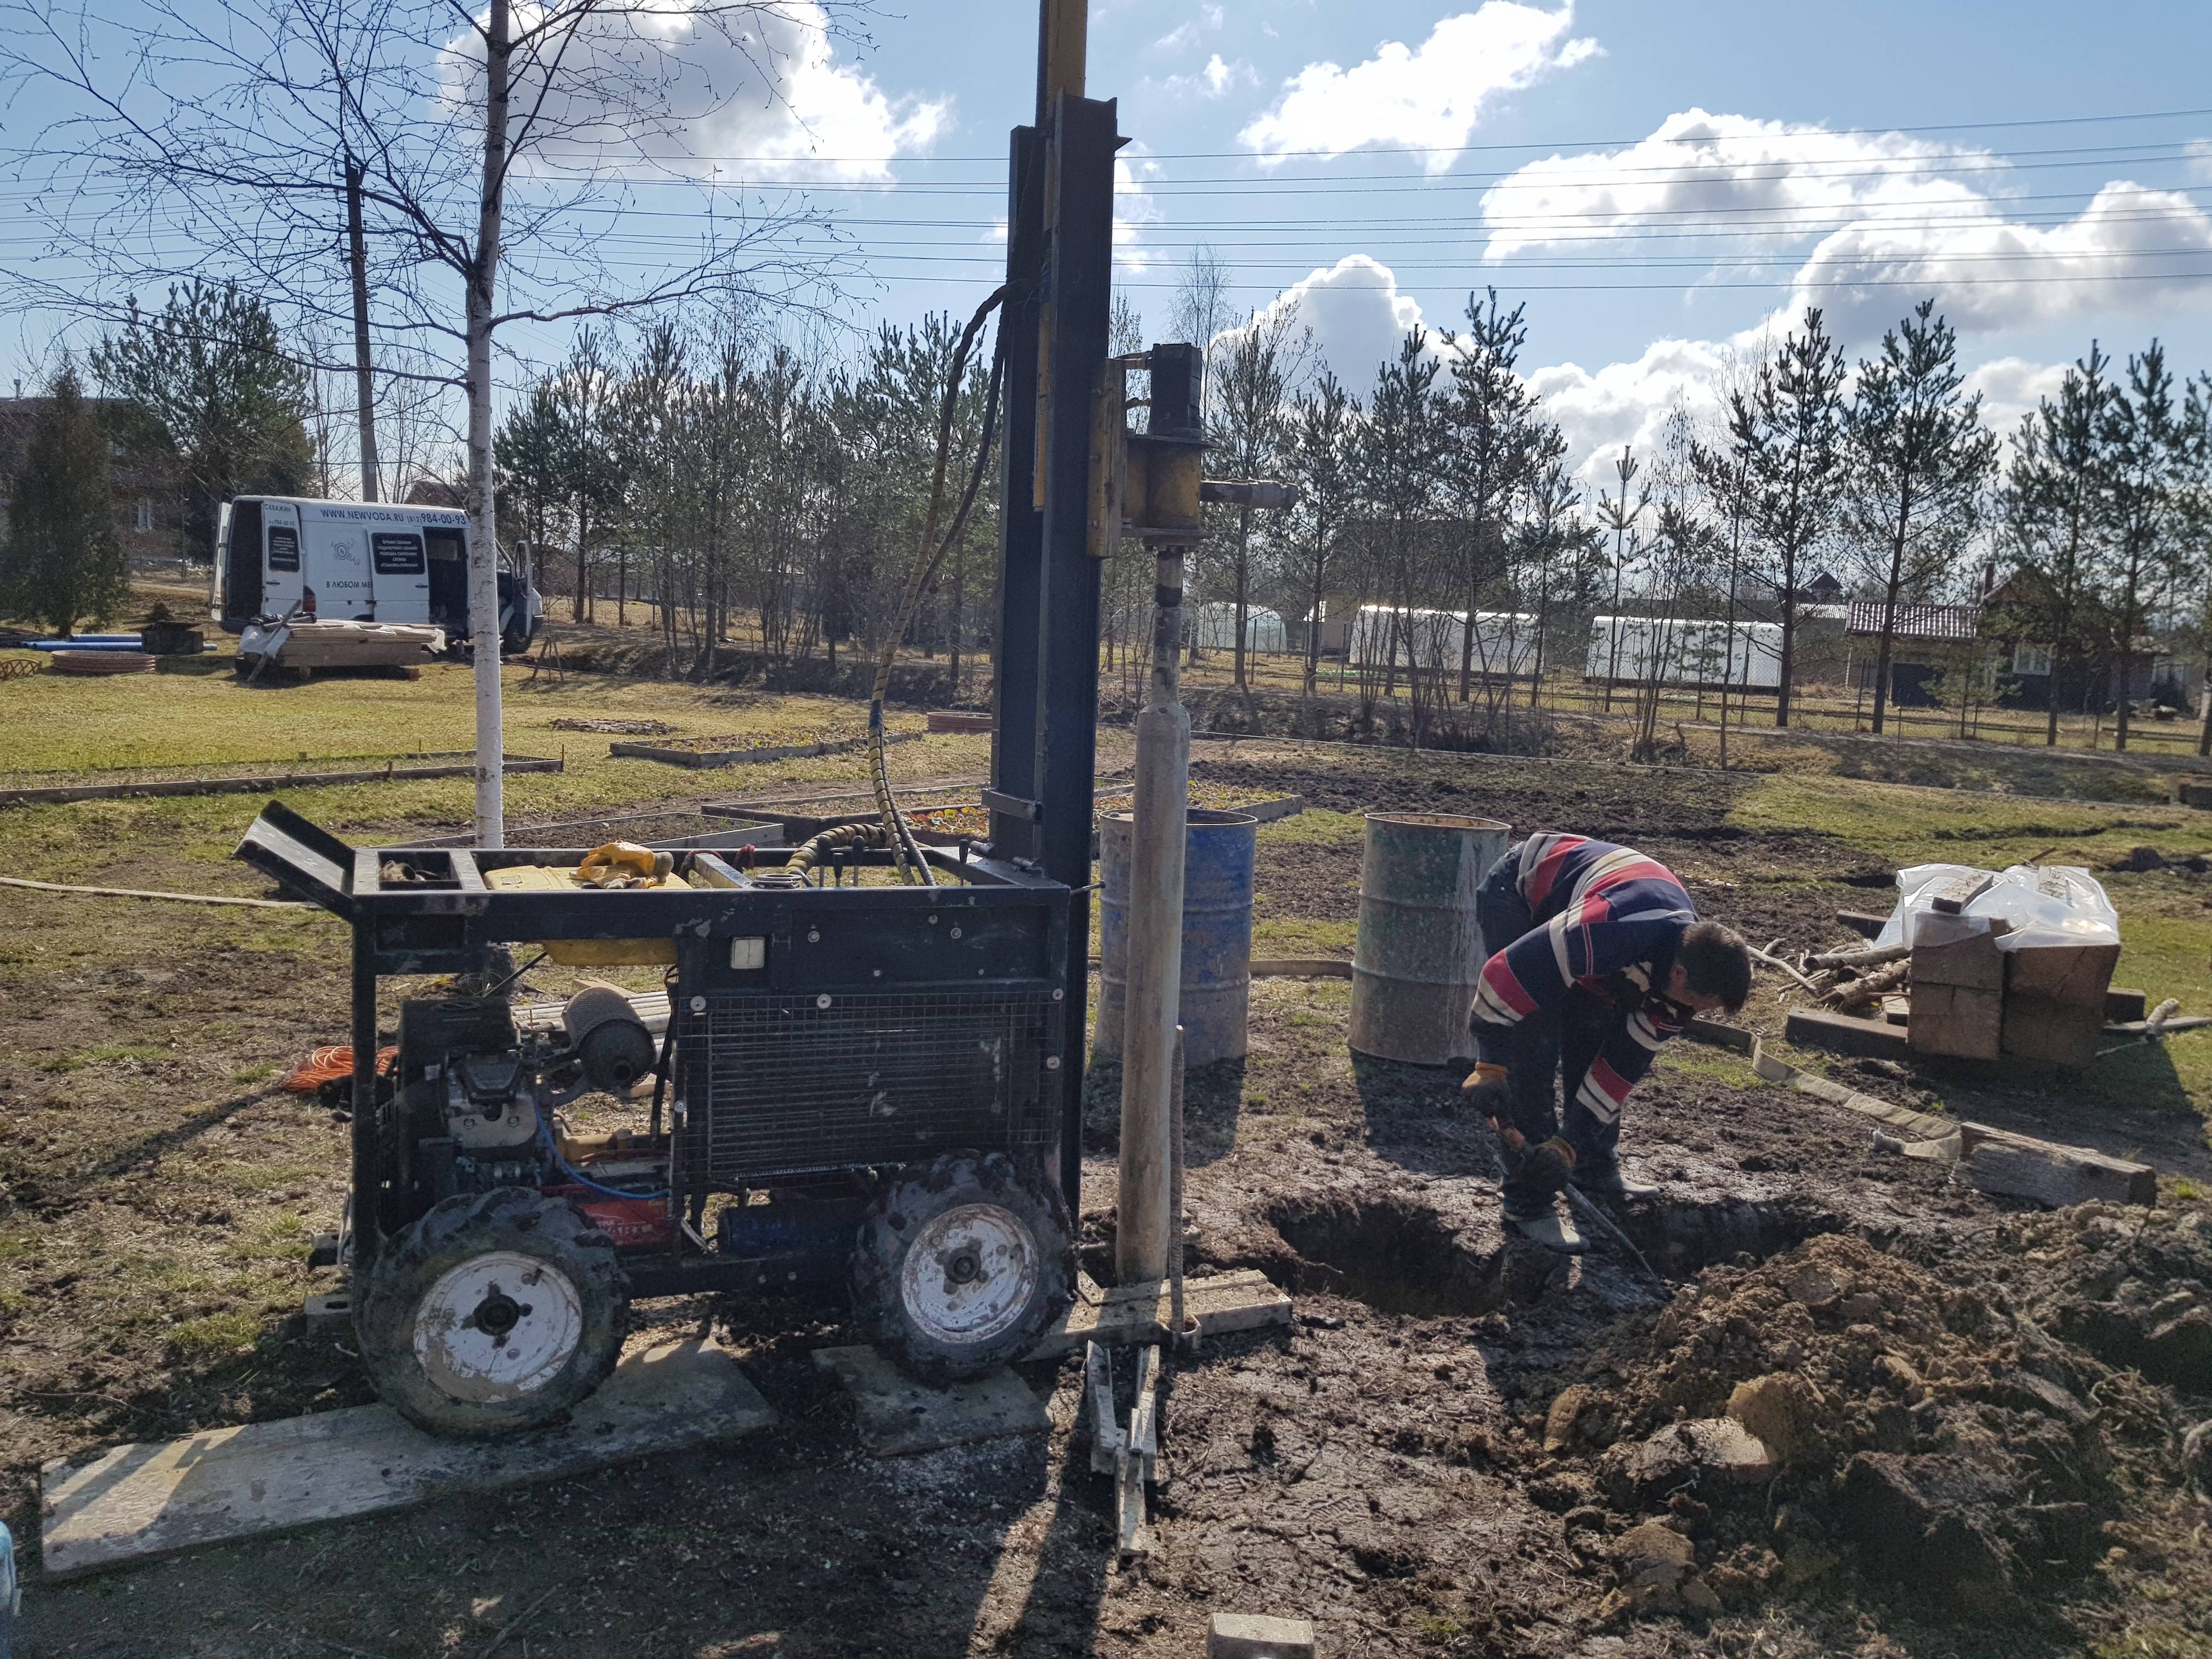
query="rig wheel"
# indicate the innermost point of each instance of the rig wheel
(960, 1267)
(493, 1313)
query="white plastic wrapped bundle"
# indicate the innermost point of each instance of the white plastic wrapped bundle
(2044, 906)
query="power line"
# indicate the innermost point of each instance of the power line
(1507, 148)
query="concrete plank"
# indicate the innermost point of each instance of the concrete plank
(898, 1416)
(1222, 1303)
(138, 1502)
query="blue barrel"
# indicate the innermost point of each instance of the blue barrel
(1217, 933)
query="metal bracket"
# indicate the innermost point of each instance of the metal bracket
(1013, 806)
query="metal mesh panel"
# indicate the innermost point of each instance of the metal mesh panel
(777, 1085)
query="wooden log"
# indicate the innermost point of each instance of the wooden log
(1872, 956)
(1868, 987)
(1997, 1161)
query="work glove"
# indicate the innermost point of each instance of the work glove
(1488, 1091)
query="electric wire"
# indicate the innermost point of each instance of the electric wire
(929, 554)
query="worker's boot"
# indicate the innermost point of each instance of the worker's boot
(1606, 1181)
(1548, 1228)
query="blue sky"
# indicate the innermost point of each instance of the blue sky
(1657, 183)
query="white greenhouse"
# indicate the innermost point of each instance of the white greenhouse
(1504, 641)
(1635, 650)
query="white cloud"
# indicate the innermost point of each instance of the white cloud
(1134, 206)
(2130, 250)
(2199, 152)
(768, 86)
(1430, 95)
(1356, 315)
(2012, 387)
(1185, 35)
(1778, 182)
(1629, 403)
(1883, 218)
(1216, 79)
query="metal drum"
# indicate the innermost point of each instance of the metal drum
(1419, 949)
(1217, 933)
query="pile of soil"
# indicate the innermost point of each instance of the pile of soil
(1838, 1418)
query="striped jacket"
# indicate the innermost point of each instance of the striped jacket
(1608, 920)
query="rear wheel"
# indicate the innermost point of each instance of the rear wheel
(960, 1267)
(496, 1312)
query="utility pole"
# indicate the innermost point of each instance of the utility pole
(364, 386)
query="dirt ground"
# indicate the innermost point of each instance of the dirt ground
(1976, 1409)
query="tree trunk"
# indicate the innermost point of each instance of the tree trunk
(483, 528)
(1789, 648)
(363, 379)
(1243, 588)
(1889, 604)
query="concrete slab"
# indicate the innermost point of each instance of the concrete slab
(1256, 1636)
(898, 1416)
(137, 1502)
(1126, 1313)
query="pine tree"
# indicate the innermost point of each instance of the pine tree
(1788, 429)
(1922, 458)
(208, 388)
(64, 560)
(2051, 511)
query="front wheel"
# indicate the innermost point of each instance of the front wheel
(961, 1265)
(496, 1312)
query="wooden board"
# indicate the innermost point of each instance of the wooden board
(1240, 1300)
(1954, 1020)
(2076, 975)
(1951, 898)
(1973, 963)
(260, 783)
(2051, 1033)
(1865, 923)
(140, 1501)
(2123, 1003)
(1846, 1033)
(1722, 1035)
(2020, 1166)
(897, 1416)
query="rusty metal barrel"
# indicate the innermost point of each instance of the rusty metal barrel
(1217, 933)
(1419, 949)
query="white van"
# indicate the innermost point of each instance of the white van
(311, 584)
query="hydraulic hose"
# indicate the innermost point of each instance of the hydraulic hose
(929, 555)
(818, 847)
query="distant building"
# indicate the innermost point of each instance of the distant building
(436, 492)
(150, 515)
(1924, 639)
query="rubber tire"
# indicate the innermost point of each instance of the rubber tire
(469, 1225)
(899, 1214)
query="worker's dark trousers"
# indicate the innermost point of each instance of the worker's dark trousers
(1546, 1046)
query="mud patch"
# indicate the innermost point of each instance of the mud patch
(1681, 1237)
(1395, 1254)
(1908, 1434)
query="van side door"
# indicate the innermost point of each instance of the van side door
(283, 574)
(401, 573)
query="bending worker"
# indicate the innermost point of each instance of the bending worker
(1599, 958)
